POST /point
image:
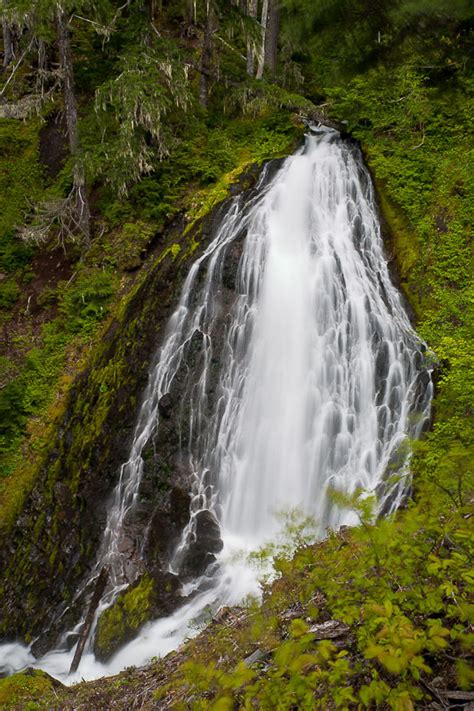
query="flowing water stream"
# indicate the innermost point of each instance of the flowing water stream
(319, 381)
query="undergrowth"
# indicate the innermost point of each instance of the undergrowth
(403, 590)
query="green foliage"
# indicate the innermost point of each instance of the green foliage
(86, 302)
(9, 293)
(203, 162)
(82, 305)
(135, 114)
(339, 39)
(20, 184)
(402, 585)
(30, 391)
(14, 254)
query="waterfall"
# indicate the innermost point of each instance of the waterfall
(307, 377)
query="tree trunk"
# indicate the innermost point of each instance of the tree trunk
(252, 12)
(264, 21)
(193, 12)
(8, 48)
(70, 110)
(42, 64)
(151, 9)
(271, 42)
(150, 6)
(206, 56)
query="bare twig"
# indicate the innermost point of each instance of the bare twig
(229, 46)
(431, 690)
(16, 66)
(419, 144)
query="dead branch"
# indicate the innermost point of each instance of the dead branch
(13, 72)
(60, 215)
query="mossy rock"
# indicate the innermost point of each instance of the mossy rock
(403, 243)
(120, 622)
(92, 434)
(30, 686)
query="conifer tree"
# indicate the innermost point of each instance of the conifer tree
(80, 197)
(52, 18)
(137, 109)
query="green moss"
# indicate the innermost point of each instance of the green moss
(128, 613)
(269, 141)
(123, 247)
(403, 245)
(206, 199)
(32, 685)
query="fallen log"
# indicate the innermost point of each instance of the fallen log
(458, 695)
(96, 598)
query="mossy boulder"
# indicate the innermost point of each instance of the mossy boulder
(147, 599)
(26, 688)
(123, 619)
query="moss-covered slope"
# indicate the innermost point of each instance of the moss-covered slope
(60, 488)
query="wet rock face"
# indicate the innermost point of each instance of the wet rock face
(206, 541)
(154, 526)
(49, 554)
(165, 406)
(47, 557)
(167, 477)
(164, 505)
(231, 263)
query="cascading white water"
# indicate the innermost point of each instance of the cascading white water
(320, 382)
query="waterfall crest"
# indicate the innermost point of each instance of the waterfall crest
(307, 376)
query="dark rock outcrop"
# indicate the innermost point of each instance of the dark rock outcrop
(206, 541)
(47, 557)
